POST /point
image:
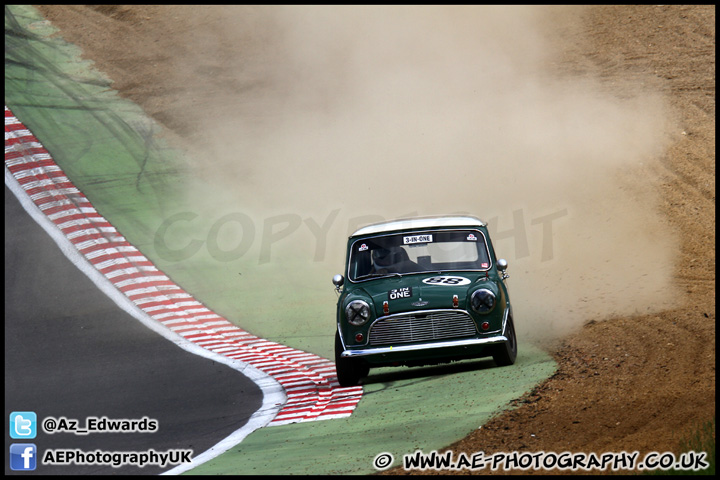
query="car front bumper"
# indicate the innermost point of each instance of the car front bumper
(424, 347)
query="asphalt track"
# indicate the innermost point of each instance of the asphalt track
(71, 352)
(109, 150)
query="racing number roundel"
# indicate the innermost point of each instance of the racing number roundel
(446, 280)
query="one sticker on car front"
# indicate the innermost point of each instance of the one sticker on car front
(402, 292)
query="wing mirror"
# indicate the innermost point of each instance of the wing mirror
(338, 281)
(502, 267)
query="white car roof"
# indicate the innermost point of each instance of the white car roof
(421, 223)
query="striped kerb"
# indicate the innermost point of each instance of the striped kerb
(310, 381)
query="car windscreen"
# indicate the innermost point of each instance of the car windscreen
(417, 252)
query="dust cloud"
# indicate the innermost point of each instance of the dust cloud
(332, 116)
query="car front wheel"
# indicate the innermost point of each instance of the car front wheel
(349, 370)
(505, 353)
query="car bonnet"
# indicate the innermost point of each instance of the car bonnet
(424, 291)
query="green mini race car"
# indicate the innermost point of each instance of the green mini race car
(421, 291)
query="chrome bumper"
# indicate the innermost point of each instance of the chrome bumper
(424, 346)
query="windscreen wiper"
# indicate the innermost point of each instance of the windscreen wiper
(379, 275)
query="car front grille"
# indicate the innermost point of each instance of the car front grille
(422, 327)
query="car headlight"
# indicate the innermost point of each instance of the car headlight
(357, 312)
(482, 300)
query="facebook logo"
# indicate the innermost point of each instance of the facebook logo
(23, 425)
(22, 456)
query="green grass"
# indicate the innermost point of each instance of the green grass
(702, 440)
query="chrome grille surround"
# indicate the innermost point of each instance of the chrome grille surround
(421, 326)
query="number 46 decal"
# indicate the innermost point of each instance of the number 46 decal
(446, 280)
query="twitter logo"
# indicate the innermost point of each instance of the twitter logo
(23, 425)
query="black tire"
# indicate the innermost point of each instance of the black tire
(349, 370)
(505, 353)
